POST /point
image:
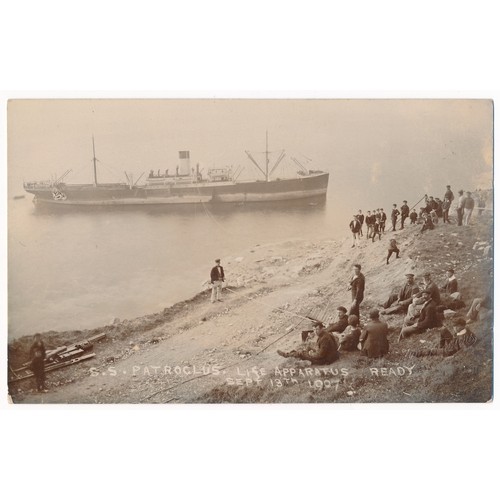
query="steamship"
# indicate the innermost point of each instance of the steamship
(185, 186)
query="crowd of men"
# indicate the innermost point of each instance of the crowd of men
(421, 305)
(432, 210)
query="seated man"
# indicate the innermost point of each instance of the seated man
(428, 224)
(342, 320)
(451, 285)
(428, 317)
(450, 343)
(349, 340)
(326, 351)
(399, 302)
(450, 296)
(417, 303)
(481, 307)
(374, 343)
(433, 288)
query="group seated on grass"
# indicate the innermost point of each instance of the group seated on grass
(424, 307)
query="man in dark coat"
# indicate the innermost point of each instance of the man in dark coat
(405, 212)
(393, 248)
(349, 340)
(369, 221)
(394, 216)
(433, 288)
(355, 227)
(37, 357)
(428, 317)
(361, 219)
(342, 321)
(357, 287)
(451, 285)
(374, 343)
(326, 351)
(383, 220)
(448, 195)
(399, 302)
(216, 279)
(413, 216)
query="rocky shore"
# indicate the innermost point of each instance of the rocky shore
(198, 352)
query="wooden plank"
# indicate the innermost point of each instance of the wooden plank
(57, 366)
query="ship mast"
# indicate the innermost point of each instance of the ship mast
(95, 160)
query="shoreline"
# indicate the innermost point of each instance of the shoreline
(274, 286)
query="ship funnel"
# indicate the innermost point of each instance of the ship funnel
(185, 166)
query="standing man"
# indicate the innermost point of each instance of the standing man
(405, 212)
(468, 208)
(369, 224)
(216, 279)
(383, 219)
(361, 219)
(37, 366)
(413, 216)
(460, 207)
(357, 287)
(355, 228)
(394, 216)
(446, 208)
(449, 194)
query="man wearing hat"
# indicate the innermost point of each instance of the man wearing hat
(468, 208)
(448, 195)
(326, 351)
(460, 207)
(374, 343)
(405, 212)
(216, 279)
(428, 317)
(399, 302)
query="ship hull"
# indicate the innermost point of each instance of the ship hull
(171, 193)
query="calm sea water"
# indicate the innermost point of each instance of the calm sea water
(80, 269)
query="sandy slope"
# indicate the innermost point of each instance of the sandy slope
(226, 352)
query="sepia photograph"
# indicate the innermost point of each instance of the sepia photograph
(262, 251)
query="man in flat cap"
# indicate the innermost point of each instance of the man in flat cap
(405, 212)
(399, 302)
(448, 195)
(216, 279)
(325, 352)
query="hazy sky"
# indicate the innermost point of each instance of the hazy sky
(370, 147)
